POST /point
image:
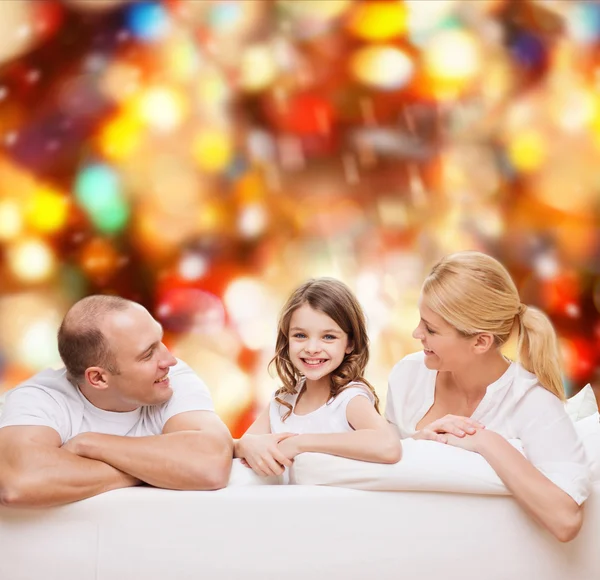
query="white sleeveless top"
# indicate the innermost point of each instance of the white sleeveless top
(329, 418)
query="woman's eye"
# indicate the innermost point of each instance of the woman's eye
(429, 330)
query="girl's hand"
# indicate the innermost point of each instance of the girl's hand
(262, 455)
(454, 425)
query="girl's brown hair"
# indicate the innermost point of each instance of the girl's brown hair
(337, 301)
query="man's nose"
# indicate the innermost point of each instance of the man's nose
(166, 359)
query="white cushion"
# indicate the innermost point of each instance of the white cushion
(589, 431)
(425, 466)
(242, 475)
(583, 404)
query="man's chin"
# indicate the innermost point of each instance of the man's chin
(162, 396)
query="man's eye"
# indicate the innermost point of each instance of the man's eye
(149, 355)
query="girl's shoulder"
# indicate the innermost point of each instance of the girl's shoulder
(353, 389)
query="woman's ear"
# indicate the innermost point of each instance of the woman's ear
(484, 341)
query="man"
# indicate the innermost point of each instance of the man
(121, 412)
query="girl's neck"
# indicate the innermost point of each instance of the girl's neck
(314, 390)
(473, 381)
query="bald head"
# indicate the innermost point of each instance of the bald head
(81, 343)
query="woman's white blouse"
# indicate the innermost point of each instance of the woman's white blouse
(329, 418)
(516, 406)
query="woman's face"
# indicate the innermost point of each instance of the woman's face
(445, 349)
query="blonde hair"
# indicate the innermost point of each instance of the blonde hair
(337, 301)
(474, 293)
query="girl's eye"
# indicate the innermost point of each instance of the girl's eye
(329, 337)
(298, 335)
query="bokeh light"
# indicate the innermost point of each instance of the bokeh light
(205, 158)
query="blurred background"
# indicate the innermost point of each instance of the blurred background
(205, 157)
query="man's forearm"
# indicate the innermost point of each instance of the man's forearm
(186, 460)
(53, 476)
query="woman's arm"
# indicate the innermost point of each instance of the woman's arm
(547, 503)
(372, 440)
(258, 447)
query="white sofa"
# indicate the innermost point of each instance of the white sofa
(291, 532)
(463, 527)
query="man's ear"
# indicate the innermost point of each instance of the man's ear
(484, 341)
(96, 377)
(350, 347)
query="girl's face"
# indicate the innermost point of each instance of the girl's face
(445, 348)
(317, 345)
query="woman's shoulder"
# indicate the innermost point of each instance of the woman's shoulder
(530, 393)
(411, 366)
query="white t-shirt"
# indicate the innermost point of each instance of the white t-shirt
(329, 418)
(49, 399)
(516, 406)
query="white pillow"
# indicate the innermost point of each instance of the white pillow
(589, 431)
(426, 466)
(583, 404)
(242, 475)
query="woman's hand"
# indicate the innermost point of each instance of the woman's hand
(262, 454)
(454, 425)
(290, 447)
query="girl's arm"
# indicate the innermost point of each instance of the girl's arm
(373, 439)
(547, 503)
(258, 447)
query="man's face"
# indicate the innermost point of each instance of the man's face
(142, 359)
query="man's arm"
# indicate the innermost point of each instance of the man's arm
(36, 472)
(194, 452)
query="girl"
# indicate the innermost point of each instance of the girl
(324, 404)
(460, 390)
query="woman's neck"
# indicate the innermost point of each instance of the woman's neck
(472, 381)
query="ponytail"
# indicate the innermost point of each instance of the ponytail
(538, 349)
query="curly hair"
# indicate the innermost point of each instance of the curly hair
(337, 301)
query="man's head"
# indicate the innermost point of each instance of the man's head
(112, 349)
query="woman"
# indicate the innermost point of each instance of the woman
(460, 390)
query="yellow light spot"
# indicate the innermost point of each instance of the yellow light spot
(377, 21)
(527, 151)
(31, 260)
(47, 210)
(11, 220)
(120, 137)
(212, 150)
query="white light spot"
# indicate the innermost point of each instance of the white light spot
(10, 138)
(573, 310)
(33, 76)
(3, 93)
(192, 267)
